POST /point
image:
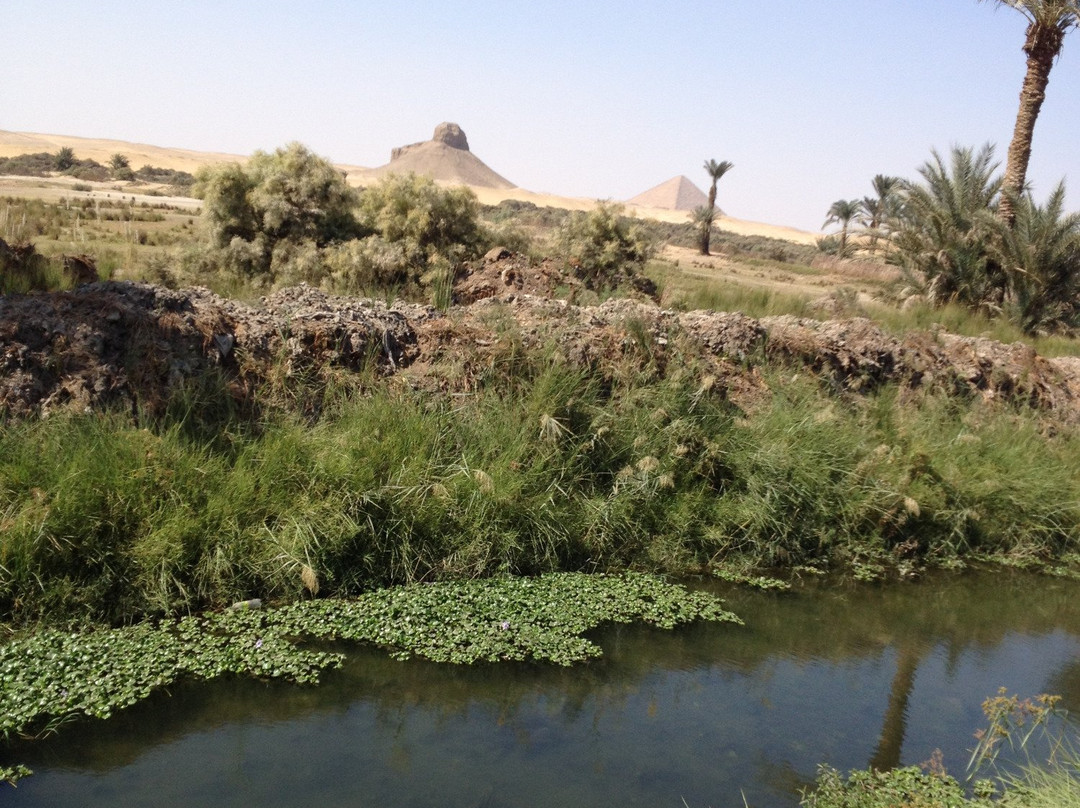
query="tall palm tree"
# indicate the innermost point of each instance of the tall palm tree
(715, 171)
(844, 212)
(1048, 22)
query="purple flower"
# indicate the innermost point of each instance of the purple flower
(505, 625)
(258, 643)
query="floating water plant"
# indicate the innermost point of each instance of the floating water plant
(52, 676)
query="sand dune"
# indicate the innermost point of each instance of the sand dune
(139, 154)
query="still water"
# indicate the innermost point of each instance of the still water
(708, 714)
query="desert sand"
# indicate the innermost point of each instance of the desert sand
(139, 154)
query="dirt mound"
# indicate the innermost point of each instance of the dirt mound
(130, 345)
(501, 272)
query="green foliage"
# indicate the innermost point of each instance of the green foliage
(52, 676)
(944, 230)
(423, 218)
(12, 774)
(900, 788)
(603, 246)
(1051, 781)
(289, 196)
(423, 234)
(119, 161)
(952, 243)
(181, 181)
(23, 269)
(64, 159)
(541, 469)
(38, 164)
(1041, 254)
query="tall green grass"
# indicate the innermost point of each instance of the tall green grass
(544, 468)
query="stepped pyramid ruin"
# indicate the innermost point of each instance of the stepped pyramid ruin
(678, 193)
(445, 158)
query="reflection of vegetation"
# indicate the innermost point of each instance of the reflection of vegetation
(822, 630)
(1047, 783)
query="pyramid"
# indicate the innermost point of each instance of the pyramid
(678, 193)
(444, 158)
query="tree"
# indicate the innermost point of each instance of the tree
(121, 167)
(288, 196)
(844, 212)
(64, 158)
(715, 171)
(1048, 23)
(1040, 257)
(425, 219)
(945, 228)
(879, 209)
(703, 217)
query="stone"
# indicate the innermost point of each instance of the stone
(451, 135)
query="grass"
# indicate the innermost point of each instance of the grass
(544, 469)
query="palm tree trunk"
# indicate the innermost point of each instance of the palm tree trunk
(1042, 47)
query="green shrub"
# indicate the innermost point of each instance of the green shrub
(288, 196)
(603, 246)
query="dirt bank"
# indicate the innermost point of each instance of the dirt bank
(128, 345)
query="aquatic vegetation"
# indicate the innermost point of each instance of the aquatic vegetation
(1049, 778)
(873, 789)
(52, 676)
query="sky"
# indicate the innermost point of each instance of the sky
(581, 98)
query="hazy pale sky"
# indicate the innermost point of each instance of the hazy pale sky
(809, 100)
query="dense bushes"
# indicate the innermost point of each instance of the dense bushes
(956, 249)
(603, 246)
(289, 216)
(288, 197)
(544, 468)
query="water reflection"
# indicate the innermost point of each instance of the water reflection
(844, 675)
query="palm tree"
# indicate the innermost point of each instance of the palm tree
(1048, 22)
(702, 217)
(843, 212)
(1040, 256)
(945, 227)
(715, 171)
(879, 209)
(64, 158)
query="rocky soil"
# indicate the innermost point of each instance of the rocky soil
(129, 345)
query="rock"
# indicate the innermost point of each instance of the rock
(452, 135)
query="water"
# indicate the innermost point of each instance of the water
(708, 714)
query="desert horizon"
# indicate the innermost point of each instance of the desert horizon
(180, 159)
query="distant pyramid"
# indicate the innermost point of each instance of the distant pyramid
(678, 193)
(446, 157)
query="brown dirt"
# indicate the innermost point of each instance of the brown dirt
(127, 345)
